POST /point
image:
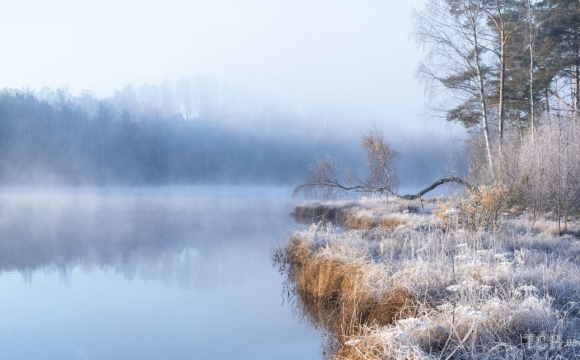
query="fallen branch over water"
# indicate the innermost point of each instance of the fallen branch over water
(327, 186)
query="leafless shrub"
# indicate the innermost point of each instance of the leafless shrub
(539, 170)
(381, 160)
(481, 210)
(328, 179)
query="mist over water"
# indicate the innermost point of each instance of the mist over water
(146, 274)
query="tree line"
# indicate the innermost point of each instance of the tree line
(54, 138)
(191, 132)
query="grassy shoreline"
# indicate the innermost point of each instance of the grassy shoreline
(404, 280)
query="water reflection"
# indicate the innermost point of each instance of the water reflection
(146, 275)
(181, 239)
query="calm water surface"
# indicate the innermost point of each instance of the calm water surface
(180, 273)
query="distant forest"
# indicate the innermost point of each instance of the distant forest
(188, 132)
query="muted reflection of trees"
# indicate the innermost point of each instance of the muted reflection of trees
(175, 240)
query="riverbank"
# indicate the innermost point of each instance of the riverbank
(388, 279)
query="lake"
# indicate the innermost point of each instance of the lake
(147, 273)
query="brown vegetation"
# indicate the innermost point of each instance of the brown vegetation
(481, 210)
(354, 222)
(346, 215)
(332, 292)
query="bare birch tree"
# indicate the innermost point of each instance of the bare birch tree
(451, 32)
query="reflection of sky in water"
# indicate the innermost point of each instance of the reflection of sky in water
(146, 275)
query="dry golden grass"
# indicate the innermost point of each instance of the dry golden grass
(332, 293)
(355, 222)
(382, 213)
(391, 222)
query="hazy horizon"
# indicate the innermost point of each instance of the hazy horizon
(221, 91)
(340, 63)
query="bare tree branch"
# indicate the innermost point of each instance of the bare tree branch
(322, 185)
(327, 179)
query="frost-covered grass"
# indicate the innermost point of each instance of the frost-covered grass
(421, 290)
(367, 213)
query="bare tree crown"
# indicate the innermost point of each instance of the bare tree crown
(328, 179)
(381, 160)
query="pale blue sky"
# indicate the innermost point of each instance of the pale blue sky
(333, 57)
